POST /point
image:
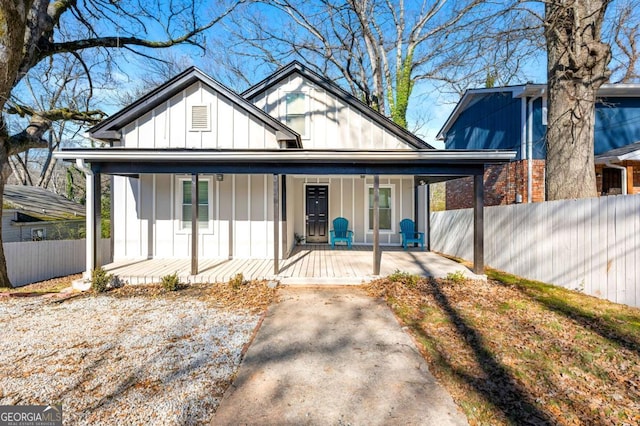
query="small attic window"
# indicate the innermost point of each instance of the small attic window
(200, 120)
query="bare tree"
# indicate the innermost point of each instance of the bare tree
(380, 49)
(35, 30)
(577, 66)
(624, 37)
(59, 83)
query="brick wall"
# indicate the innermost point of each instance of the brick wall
(502, 184)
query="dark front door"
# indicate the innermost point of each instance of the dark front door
(317, 210)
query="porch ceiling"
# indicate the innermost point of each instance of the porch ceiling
(453, 163)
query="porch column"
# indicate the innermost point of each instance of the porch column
(97, 221)
(416, 197)
(478, 224)
(194, 224)
(90, 224)
(427, 213)
(276, 225)
(285, 245)
(376, 225)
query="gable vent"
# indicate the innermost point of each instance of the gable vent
(200, 119)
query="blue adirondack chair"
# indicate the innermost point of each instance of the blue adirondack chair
(410, 235)
(341, 232)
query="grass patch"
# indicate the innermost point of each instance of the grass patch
(511, 349)
(620, 322)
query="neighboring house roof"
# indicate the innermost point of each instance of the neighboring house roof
(40, 204)
(109, 128)
(527, 90)
(471, 94)
(629, 152)
(331, 87)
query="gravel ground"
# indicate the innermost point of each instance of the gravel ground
(132, 360)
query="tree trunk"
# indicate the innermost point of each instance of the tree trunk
(576, 68)
(5, 172)
(12, 30)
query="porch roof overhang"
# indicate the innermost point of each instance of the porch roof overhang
(629, 152)
(437, 163)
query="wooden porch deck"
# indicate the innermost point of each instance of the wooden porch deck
(307, 264)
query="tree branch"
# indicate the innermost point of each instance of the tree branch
(91, 117)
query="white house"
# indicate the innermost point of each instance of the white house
(295, 150)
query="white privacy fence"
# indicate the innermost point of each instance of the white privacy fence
(33, 261)
(591, 245)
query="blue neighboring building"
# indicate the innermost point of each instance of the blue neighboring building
(514, 117)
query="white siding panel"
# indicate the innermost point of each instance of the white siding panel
(193, 95)
(240, 130)
(146, 131)
(225, 220)
(257, 136)
(258, 216)
(130, 136)
(242, 228)
(161, 126)
(366, 137)
(119, 217)
(292, 203)
(164, 233)
(318, 119)
(132, 237)
(333, 124)
(225, 128)
(145, 219)
(209, 139)
(178, 121)
(355, 130)
(377, 136)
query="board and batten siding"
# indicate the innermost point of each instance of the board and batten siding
(331, 122)
(591, 245)
(348, 199)
(147, 221)
(168, 125)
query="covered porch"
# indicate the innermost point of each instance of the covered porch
(425, 165)
(307, 264)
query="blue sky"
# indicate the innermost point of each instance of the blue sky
(428, 109)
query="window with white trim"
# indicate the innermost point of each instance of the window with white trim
(185, 203)
(296, 112)
(387, 213)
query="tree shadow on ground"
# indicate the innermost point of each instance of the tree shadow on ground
(496, 385)
(599, 323)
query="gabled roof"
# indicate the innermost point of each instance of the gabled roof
(334, 89)
(41, 204)
(108, 129)
(629, 152)
(519, 91)
(528, 90)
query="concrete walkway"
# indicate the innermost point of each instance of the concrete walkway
(334, 356)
